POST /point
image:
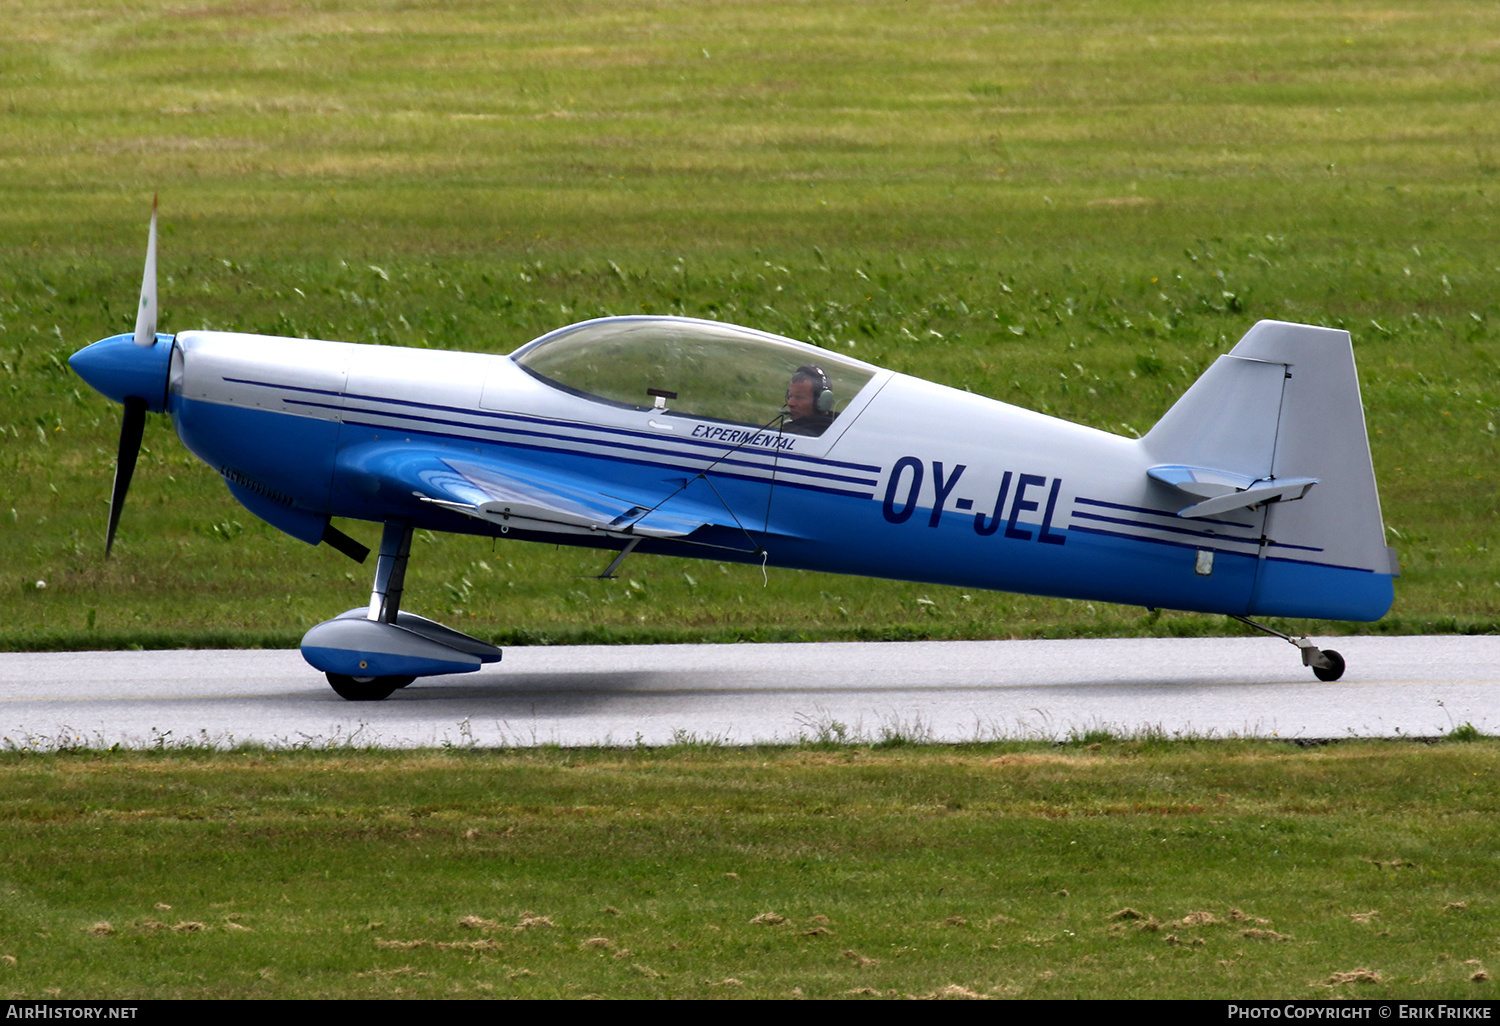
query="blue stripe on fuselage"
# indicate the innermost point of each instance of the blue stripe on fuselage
(712, 447)
(1209, 535)
(1170, 514)
(561, 453)
(405, 420)
(1173, 529)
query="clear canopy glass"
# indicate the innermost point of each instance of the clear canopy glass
(691, 368)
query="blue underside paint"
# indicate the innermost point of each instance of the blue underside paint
(290, 456)
(379, 664)
(299, 524)
(1296, 589)
(796, 524)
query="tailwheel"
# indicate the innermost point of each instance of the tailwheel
(366, 689)
(1335, 668)
(1327, 665)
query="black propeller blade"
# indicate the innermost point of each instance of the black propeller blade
(130, 447)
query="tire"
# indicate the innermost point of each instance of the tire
(1335, 668)
(366, 689)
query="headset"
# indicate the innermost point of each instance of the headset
(822, 387)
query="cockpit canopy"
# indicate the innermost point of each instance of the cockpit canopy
(692, 368)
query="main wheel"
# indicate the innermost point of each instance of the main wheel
(1335, 668)
(366, 689)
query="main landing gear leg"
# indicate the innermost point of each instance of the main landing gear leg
(385, 606)
(390, 571)
(370, 651)
(1325, 662)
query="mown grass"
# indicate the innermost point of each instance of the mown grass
(1101, 868)
(1068, 207)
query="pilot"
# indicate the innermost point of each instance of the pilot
(809, 402)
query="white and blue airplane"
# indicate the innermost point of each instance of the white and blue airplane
(1253, 496)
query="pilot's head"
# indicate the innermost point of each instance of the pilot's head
(809, 395)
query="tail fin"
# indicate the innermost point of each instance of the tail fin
(1277, 424)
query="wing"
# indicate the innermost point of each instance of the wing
(532, 497)
(554, 500)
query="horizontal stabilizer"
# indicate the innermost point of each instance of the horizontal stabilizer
(1224, 490)
(1284, 490)
(1200, 481)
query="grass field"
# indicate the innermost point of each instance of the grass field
(1073, 207)
(1099, 869)
(1070, 206)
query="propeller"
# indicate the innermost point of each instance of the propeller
(130, 447)
(145, 317)
(134, 421)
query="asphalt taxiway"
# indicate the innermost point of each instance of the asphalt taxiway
(737, 694)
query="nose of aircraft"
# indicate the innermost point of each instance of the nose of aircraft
(118, 368)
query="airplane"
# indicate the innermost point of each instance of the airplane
(1254, 495)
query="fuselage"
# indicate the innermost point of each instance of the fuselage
(912, 480)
